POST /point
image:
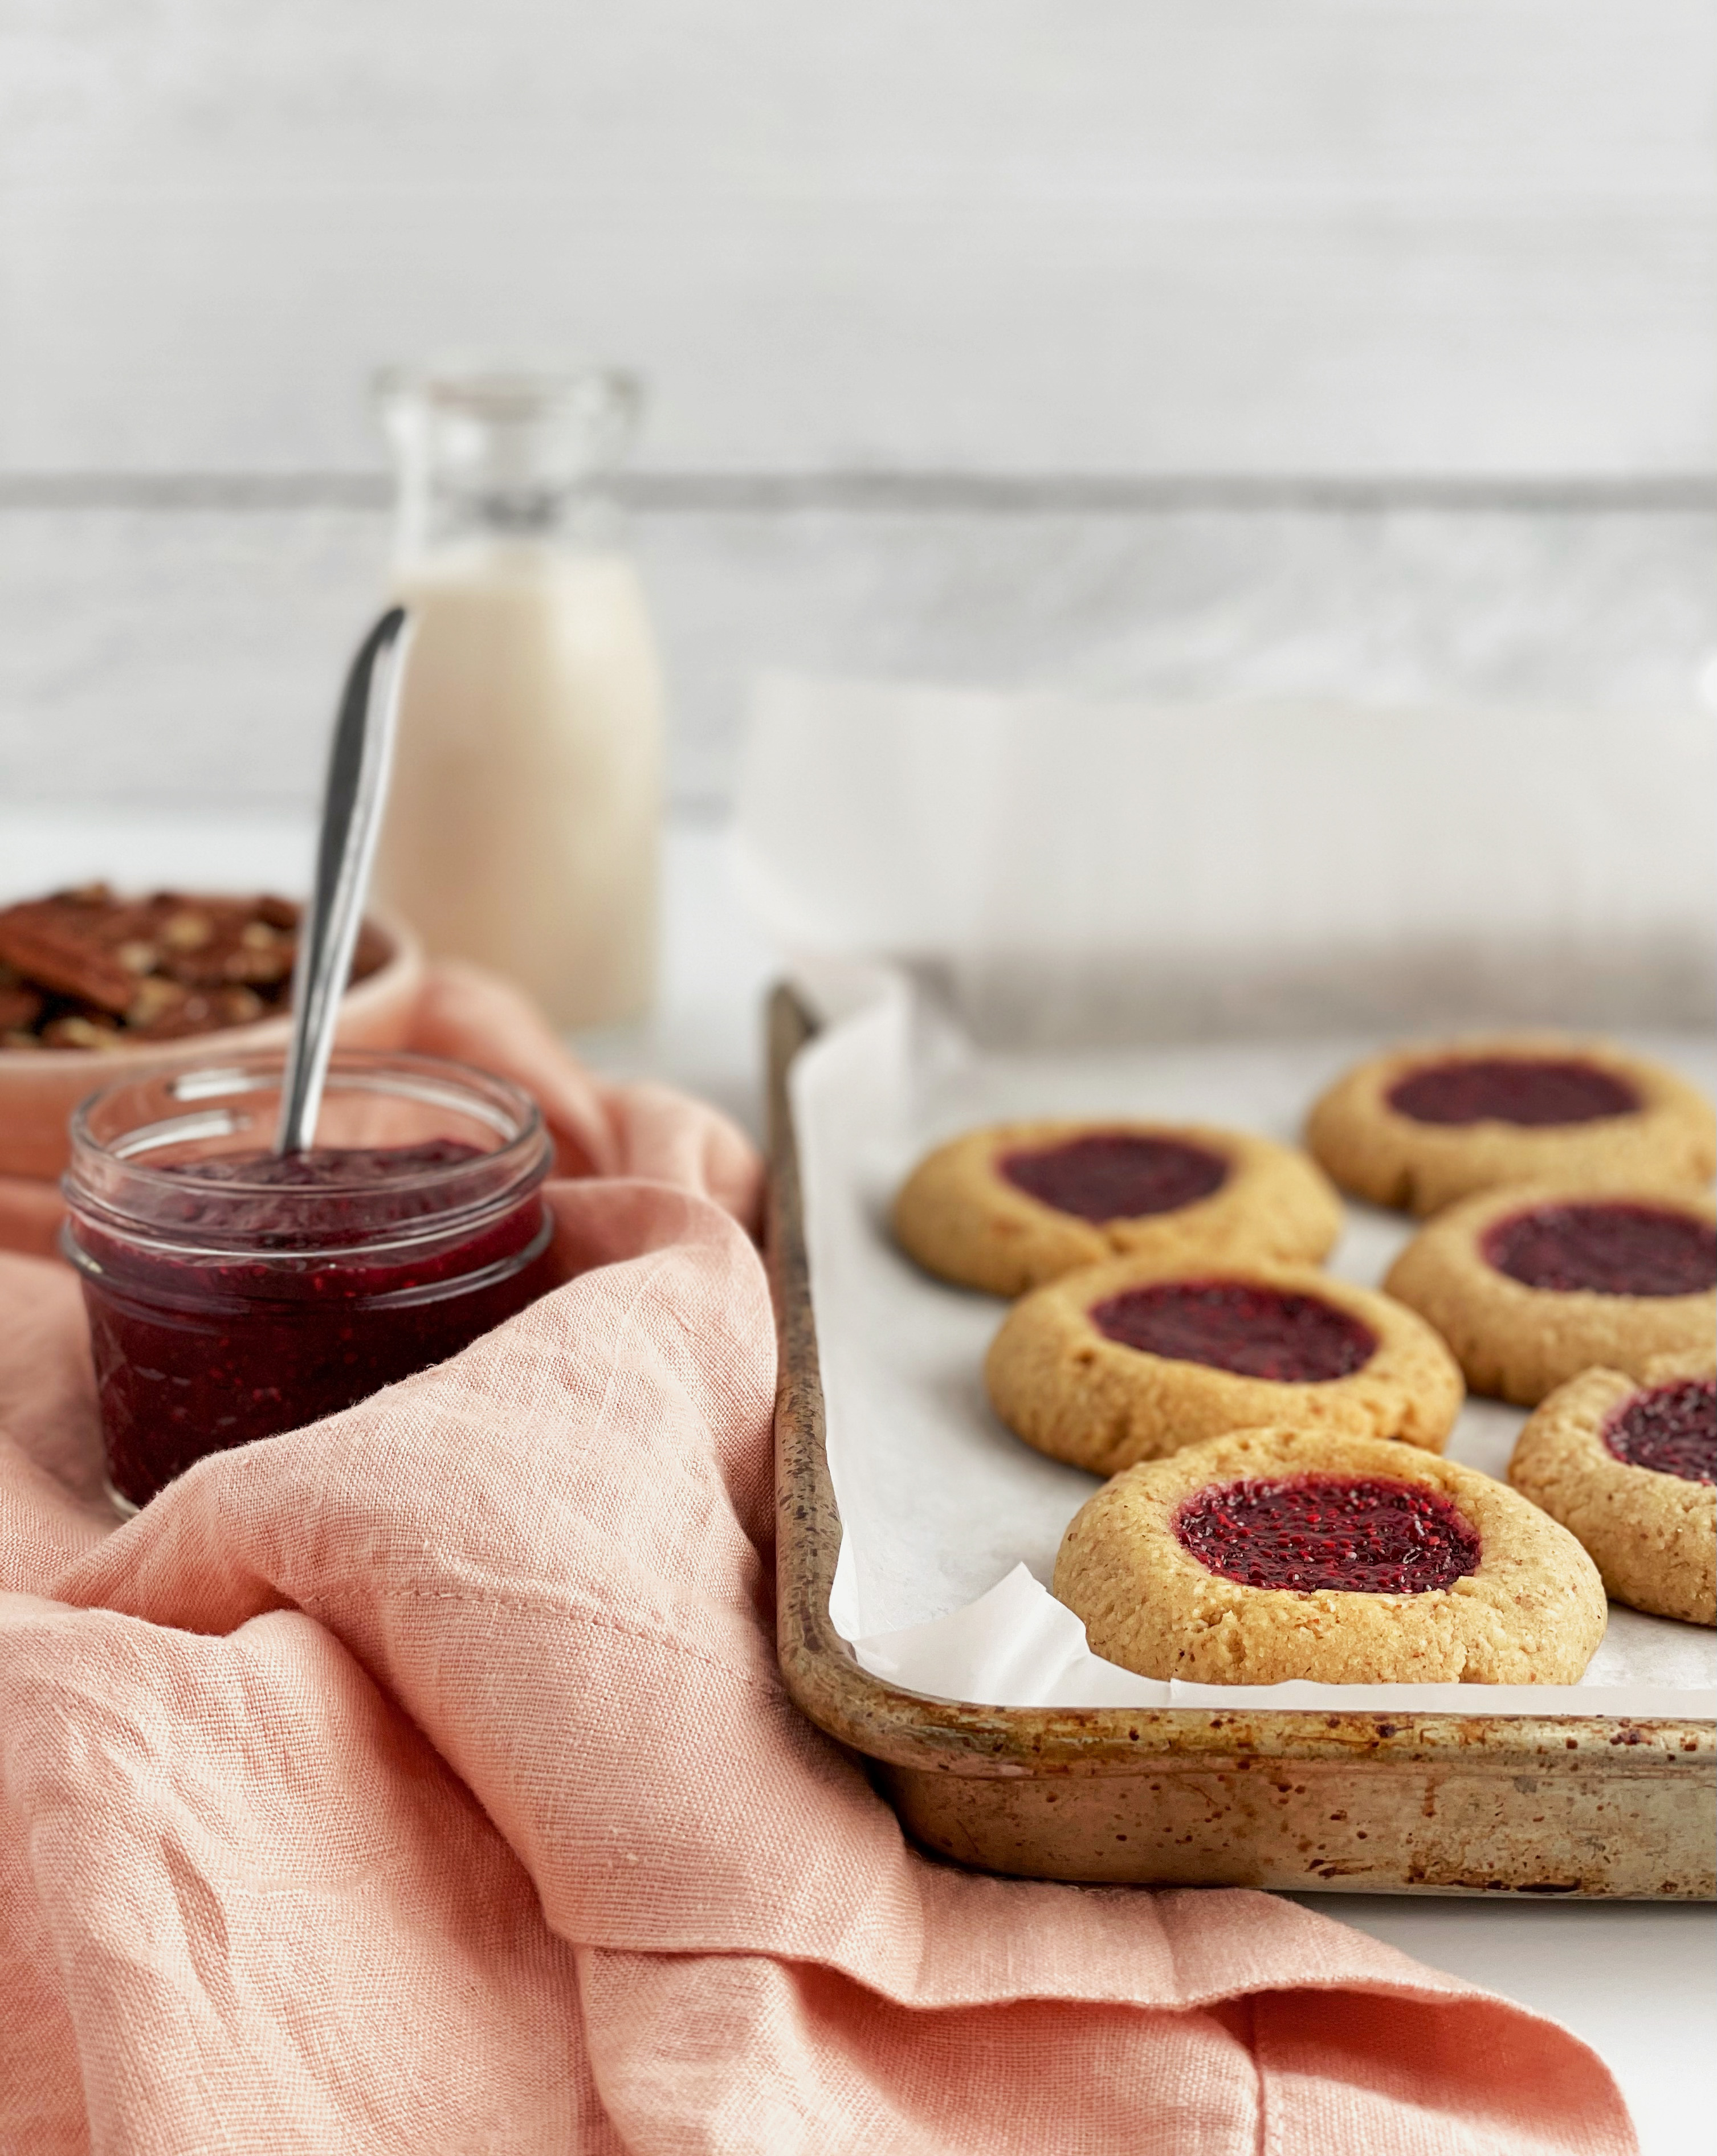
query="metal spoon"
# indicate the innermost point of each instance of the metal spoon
(352, 817)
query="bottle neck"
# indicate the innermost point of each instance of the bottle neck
(498, 459)
(433, 519)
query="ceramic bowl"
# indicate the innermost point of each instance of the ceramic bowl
(40, 1087)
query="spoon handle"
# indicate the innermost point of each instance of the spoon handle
(352, 817)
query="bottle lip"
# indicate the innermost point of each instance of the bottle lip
(113, 1183)
(498, 388)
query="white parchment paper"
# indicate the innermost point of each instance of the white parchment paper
(1143, 872)
(950, 1523)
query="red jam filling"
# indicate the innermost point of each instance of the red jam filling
(1671, 1429)
(1531, 1090)
(197, 1353)
(1618, 1248)
(1358, 1534)
(375, 1183)
(1116, 1175)
(1230, 1325)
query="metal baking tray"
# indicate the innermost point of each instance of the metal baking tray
(1369, 1803)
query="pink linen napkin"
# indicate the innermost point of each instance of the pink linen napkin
(422, 1780)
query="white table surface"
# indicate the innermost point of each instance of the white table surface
(1639, 1981)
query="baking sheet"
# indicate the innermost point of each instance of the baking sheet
(950, 1523)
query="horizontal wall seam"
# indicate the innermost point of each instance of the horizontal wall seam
(999, 494)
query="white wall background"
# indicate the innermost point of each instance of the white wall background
(1131, 343)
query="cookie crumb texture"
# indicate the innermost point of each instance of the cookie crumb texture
(1629, 1468)
(1421, 1128)
(1010, 1206)
(1531, 1285)
(1478, 1586)
(1131, 1361)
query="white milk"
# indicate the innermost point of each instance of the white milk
(522, 828)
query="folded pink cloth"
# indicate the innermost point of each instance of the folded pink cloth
(422, 1780)
(599, 1129)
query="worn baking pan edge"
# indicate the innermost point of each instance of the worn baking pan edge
(1582, 1806)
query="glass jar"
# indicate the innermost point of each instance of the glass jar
(525, 801)
(233, 1294)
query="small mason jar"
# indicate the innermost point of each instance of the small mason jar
(522, 826)
(233, 1293)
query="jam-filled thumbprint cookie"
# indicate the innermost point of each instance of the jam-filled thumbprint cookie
(1533, 1285)
(1133, 1360)
(1009, 1207)
(1423, 1127)
(1631, 1468)
(1273, 1554)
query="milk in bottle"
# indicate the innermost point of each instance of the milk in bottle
(522, 825)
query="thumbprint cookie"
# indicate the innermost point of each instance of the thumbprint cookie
(1423, 1127)
(1273, 1554)
(1533, 1285)
(1009, 1207)
(1133, 1360)
(1631, 1468)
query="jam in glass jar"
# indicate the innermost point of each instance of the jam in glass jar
(233, 1293)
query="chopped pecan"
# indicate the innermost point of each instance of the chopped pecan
(44, 940)
(231, 946)
(186, 930)
(193, 1012)
(75, 1032)
(238, 1006)
(154, 1000)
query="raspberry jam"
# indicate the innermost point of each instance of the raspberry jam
(1116, 1175)
(1532, 1091)
(1230, 1325)
(1356, 1534)
(233, 1294)
(1604, 1249)
(1671, 1429)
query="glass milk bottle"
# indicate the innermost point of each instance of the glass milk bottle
(522, 825)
